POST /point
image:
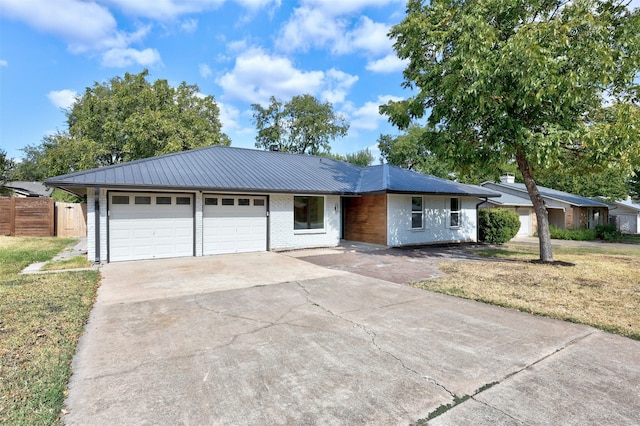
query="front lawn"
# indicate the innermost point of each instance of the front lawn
(602, 289)
(41, 320)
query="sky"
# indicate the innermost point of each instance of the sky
(240, 51)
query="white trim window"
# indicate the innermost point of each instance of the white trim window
(417, 213)
(308, 212)
(454, 213)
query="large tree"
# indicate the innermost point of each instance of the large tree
(302, 125)
(410, 150)
(128, 118)
(529, 81)
(6, 170)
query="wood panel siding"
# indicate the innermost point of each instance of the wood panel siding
(29, 217)
(365, 219)
(71, 219)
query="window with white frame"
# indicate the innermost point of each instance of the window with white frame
(308, 213)
(416, 213)
(454, 213)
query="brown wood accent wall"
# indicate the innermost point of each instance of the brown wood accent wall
(365, 219)
(29, 217)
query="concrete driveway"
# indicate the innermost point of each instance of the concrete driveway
(264, 338)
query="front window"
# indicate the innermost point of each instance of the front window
(454, 219)
(308, 212)
(416, 212)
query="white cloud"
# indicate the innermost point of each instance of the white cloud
(229, 117)
(367, 36)
(205, 70)
(4, 63)
(189, 25)
(367, 117)
(337, 85)
(337, 25)
(64, 98)
(164, 10)
(125, 57)
(256, 76)
(85, 26)
(388, 64)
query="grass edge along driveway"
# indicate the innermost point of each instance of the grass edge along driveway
(601, 289)
(41, 319)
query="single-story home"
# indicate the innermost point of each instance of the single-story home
(566, 211)
(27, 189)
(227, 200)
(625, 215)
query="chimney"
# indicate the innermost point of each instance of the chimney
(508, 178)
(274, 148)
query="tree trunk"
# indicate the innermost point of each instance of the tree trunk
(544, 235)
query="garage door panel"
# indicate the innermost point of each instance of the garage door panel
(148, 231)
(234, 228)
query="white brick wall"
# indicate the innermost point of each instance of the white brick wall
(436, 220)
(282, 235)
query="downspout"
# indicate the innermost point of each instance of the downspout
(96, 208)
(478, 218)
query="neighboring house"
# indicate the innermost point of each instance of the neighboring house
(227, 200)
(522, 206)
(625, 215)
(566, 211)
(28, 189)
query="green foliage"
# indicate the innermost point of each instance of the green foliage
(501, 81)
(609, 232)
(610, 182)
(6, 170)
(127, 119)
(361, 158)
(583, 234)
(409, 150)
(32, 168)
(302, 126)
(497, 226)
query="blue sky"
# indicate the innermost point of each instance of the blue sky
(239, 51)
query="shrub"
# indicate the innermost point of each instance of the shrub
(572, 234)
(497, 226)
(602, 230)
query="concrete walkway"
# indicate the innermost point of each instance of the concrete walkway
(267, 339)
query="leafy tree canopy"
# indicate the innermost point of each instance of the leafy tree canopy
(124, 119)
(6, 170)
(610, 182)
(362, 158)
(410, 150)
(525, 80)
(302, 126)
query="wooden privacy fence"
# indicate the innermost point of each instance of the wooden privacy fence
(42, 217)
(29, 217)
(71, 219)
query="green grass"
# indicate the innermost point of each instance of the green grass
(631, 239)
(41, 320)
(71, 263)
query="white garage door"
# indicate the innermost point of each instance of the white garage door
(525, 224)
(234, 224)
(149, 226)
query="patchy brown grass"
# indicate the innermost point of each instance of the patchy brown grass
(41, 320)
(601, 289)
(71, 263)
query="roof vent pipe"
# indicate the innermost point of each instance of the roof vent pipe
(274, 148)
(508, 178)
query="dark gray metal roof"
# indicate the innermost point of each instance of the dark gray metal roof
(221, 168)
(572, 199)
